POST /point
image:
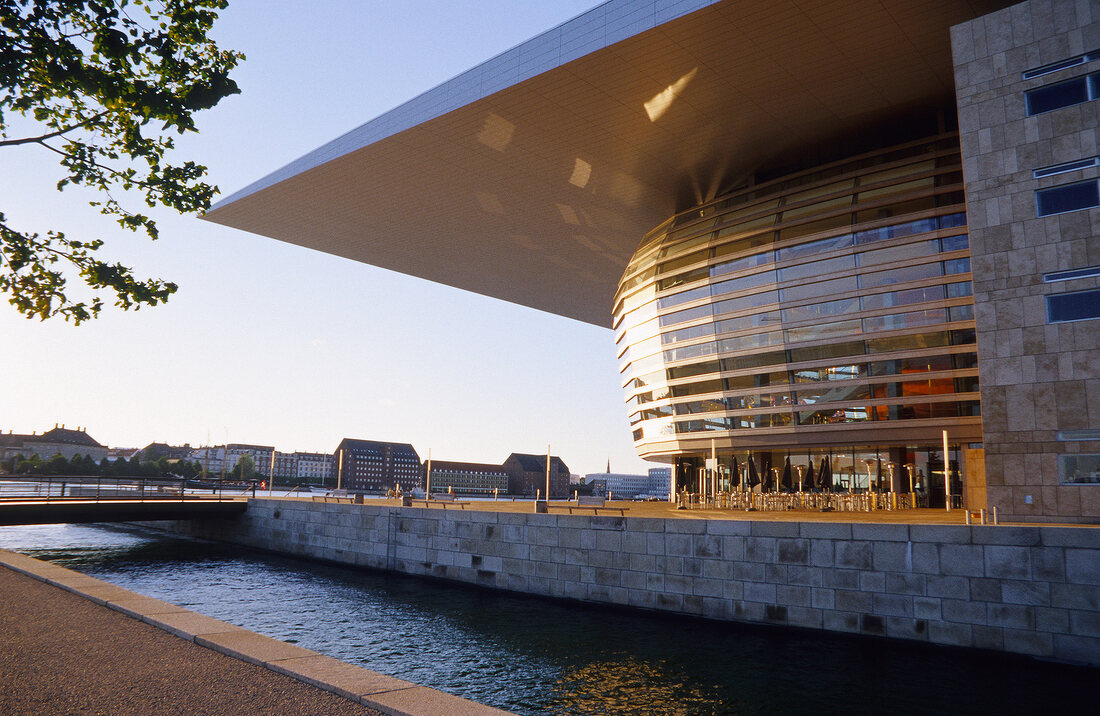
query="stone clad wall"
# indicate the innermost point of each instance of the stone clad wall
(1033, 590)
(1037, 378)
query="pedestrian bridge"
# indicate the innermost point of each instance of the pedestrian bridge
(51, 500)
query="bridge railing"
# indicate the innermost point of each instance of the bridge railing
(69, 488)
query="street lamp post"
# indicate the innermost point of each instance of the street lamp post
(946, 474)
(428, 481)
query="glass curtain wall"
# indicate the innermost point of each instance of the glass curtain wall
(814, 309)
(855, 469)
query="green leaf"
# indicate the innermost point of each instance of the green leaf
(92, 74)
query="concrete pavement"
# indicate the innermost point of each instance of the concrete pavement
(73, 644)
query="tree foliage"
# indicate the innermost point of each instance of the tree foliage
(245, 469)
(103, 86)
(85, 465)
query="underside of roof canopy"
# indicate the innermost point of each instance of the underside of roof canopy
(532, 177)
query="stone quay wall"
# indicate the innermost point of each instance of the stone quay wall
(1029, 589)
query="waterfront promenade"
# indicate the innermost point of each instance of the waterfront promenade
(668, 510)
(70, 643)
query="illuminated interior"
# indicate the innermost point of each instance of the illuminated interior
(808, 315)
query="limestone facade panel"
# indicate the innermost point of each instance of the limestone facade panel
(1032, 590)
(1037, 378)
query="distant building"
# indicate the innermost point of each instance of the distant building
(527, 473)
(59, 441)
(660, 479)
(468, 478)
(373, 466)
(317, 466)
(155, 451)
(286, 464)
(211, 458)
(620, 485)
(625, 486)
(260, 455)
(121, 453)
(289, 465)
(11, 445)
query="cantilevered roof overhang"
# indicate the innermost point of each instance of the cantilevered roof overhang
(532, 177)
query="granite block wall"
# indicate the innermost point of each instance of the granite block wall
(1032, 590)
(1037, 378)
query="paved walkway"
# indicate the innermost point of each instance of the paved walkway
(73, 644)
(667, 510)
(63, 654)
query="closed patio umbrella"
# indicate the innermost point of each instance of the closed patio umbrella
(826, 477)
(786, 479)
(754, 476)
(735, 474)
(808, 480)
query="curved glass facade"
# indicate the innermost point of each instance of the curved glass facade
(830, 307)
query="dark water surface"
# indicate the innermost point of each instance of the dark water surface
(536, 656)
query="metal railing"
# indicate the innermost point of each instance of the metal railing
(69, 488)
(862, 501)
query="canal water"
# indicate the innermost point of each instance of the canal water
(537, 656)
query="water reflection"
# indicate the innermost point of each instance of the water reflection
(620, 684)
(535, 656)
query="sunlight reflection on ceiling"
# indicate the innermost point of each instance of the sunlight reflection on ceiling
(664, 99)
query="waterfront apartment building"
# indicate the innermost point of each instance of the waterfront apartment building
(819, 232)
(371, 466)
(317, 466)
(211, 458)
(527, 475)
(259, 454)
(466, 478)
(308, 465)
(286, 464)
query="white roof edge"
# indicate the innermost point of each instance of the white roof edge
(602, 26)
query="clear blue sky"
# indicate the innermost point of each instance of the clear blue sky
(276, 344)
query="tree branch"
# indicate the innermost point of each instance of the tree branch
(37, 244)
(42, 138)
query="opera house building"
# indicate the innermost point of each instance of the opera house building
(821, 232)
